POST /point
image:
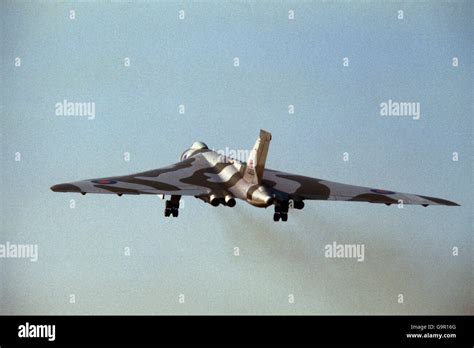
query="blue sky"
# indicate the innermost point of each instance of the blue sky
(282, 62)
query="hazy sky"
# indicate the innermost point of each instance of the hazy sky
(190, 62)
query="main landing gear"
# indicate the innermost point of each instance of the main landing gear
(281, 211)
(172, 206)
(281, 208)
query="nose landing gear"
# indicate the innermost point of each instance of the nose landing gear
(172, 206)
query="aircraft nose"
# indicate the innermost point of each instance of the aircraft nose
(64, 188)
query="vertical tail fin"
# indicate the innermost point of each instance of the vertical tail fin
(257, 158)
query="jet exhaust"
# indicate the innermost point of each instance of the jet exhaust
(214, 200)
(229, 201)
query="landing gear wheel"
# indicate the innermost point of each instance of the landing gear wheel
(281, 211)
(172, 206)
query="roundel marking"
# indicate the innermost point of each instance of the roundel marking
(104, 182)
(383, 192)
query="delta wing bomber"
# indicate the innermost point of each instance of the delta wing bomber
(220, 180)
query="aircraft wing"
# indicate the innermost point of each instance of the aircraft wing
(301, 187)
(188, 177)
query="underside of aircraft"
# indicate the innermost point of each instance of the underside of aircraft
(221, 180)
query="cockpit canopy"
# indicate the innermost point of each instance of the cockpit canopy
(197, 145)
